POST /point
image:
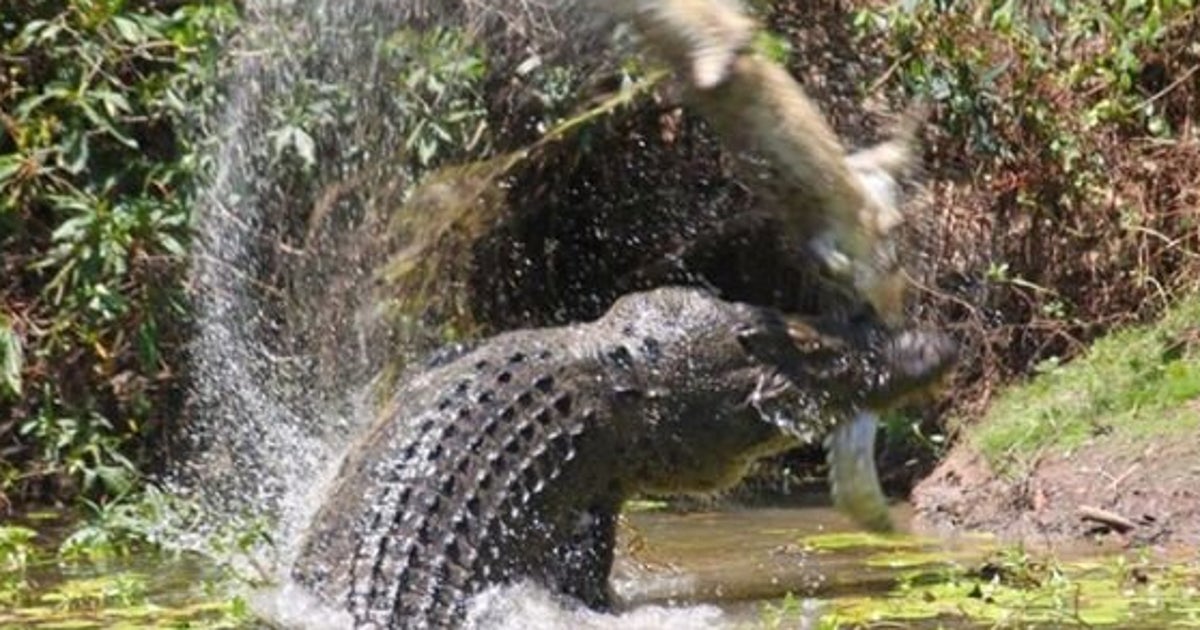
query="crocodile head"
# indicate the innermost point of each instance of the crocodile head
(716, 385)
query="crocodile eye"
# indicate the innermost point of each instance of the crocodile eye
(621, 356)
(651, 349)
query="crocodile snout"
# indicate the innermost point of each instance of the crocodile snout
(919, 361)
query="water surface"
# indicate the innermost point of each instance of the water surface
(793, 566)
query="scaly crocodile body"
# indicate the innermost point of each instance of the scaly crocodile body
(511, 462)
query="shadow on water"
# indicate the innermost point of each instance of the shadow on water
(782, 567)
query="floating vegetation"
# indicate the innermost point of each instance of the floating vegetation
(839, 541)
(1012, 588)
(45, 588)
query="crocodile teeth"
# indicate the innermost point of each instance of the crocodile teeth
(853, 480)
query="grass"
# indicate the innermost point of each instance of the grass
(1139, 383)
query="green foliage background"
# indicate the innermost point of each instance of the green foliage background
(101, 105)
(1068, 131)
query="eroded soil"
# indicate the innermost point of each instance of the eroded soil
(1154, 484)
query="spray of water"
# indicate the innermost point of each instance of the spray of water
(312, 156)
(287, 339)
(316, 142)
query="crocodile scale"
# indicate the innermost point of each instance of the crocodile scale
(511, 461)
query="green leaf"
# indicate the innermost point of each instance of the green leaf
(12, 358)
(114, 102)
(105, 124)
(72, 229)
(305, 146)
(74, 156)
(128, 30)
(9, 166)
(148, 345)
(171, 245)
(37, 31)
(115, 479)
(27, 107)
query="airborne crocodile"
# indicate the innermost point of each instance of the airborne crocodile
(511, 462)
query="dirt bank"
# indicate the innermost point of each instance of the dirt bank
(1113, 432)
(1155, 486)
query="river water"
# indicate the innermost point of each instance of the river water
(800, 565)
(717, 568)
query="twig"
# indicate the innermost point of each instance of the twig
(887, 74)
(1163, 92)
(1112, 519)
(1112, 486)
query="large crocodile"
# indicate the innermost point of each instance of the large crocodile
(511, 461)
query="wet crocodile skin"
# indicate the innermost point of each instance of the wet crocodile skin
(511, 461)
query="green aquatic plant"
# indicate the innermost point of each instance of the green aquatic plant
(16, 547)
(1015, 587)
(840, 541)
(17, 551)
(82, 584)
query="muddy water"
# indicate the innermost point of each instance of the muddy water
(743, 560)
(736, 556)
(789, 567)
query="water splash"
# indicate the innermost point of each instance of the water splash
(315, 146)
(287, 341)
(310, 160)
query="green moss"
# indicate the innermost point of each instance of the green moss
(1140, 382)
(904, 559)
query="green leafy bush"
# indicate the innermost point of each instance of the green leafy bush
(96, 176)
(1065, 127)
(1014, 78)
